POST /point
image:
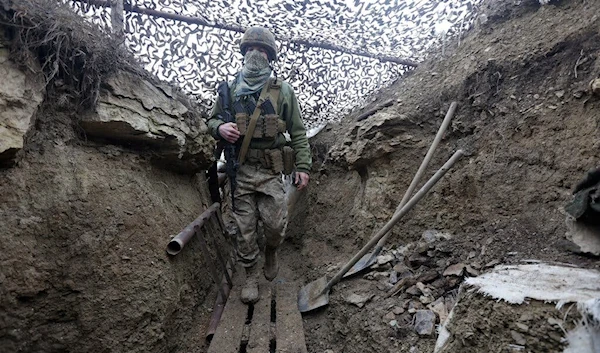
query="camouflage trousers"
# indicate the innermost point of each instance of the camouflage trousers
(259, 195)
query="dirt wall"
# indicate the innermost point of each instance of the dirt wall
(529, 126)
(83, 266)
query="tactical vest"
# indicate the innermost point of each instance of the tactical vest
(269, 124)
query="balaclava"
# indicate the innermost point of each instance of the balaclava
(254, 74)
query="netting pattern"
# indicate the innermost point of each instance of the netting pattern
(329, 83)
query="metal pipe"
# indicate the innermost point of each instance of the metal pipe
(178, 242)
(224, 287)
(217, 312)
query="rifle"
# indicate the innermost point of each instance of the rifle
(230, 149)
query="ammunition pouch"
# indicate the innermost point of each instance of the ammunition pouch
(268, 159)
(289, 160)
(267, 126)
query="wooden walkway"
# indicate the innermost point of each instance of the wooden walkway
(272, 325)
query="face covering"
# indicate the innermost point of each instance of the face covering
(255, 73)
(255, 61)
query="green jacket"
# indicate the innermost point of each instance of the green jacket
(289, 111)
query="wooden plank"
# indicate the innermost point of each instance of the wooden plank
(261, 321)
(228, 337)
(290, 332)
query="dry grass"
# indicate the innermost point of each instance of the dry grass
(48, 35)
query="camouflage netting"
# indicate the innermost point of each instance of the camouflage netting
(329, 82)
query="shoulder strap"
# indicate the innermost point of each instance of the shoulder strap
(252, 124)
(274, 92)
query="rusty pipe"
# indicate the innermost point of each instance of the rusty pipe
(178, 242)
(222, 296)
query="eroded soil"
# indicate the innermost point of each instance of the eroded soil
(529, 126)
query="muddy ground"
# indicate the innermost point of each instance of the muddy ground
(529, 127)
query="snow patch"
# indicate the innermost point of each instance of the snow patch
(315, 130)
(548, 283)
(514, 283)
(585, 338)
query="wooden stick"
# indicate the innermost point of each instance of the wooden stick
(117, 17)
(372, 111)
(397, 216)
(404, 282)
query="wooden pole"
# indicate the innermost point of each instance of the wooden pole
(238, 29)
(117, 17)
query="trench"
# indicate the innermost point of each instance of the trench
(86, 222)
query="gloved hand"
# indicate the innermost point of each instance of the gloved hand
(592, 178)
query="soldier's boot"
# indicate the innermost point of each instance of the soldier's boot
(250, 289)
(271, 263)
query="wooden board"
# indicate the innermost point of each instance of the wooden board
(260, 326)
(234, 335)
(290, 331)
(228, 337)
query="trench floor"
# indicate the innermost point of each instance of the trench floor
(272, 325)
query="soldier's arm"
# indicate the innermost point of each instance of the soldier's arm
(214, 122)
(295, 126)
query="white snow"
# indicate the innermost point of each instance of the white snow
(539, 281)
(585, 338)
(548, 283)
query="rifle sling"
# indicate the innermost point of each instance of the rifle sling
(252, 123)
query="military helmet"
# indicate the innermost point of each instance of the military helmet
(259, 36)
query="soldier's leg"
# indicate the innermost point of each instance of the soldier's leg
(245, 214)
(246, 217)
(272, 209)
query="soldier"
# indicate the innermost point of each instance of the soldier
(264, 108)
